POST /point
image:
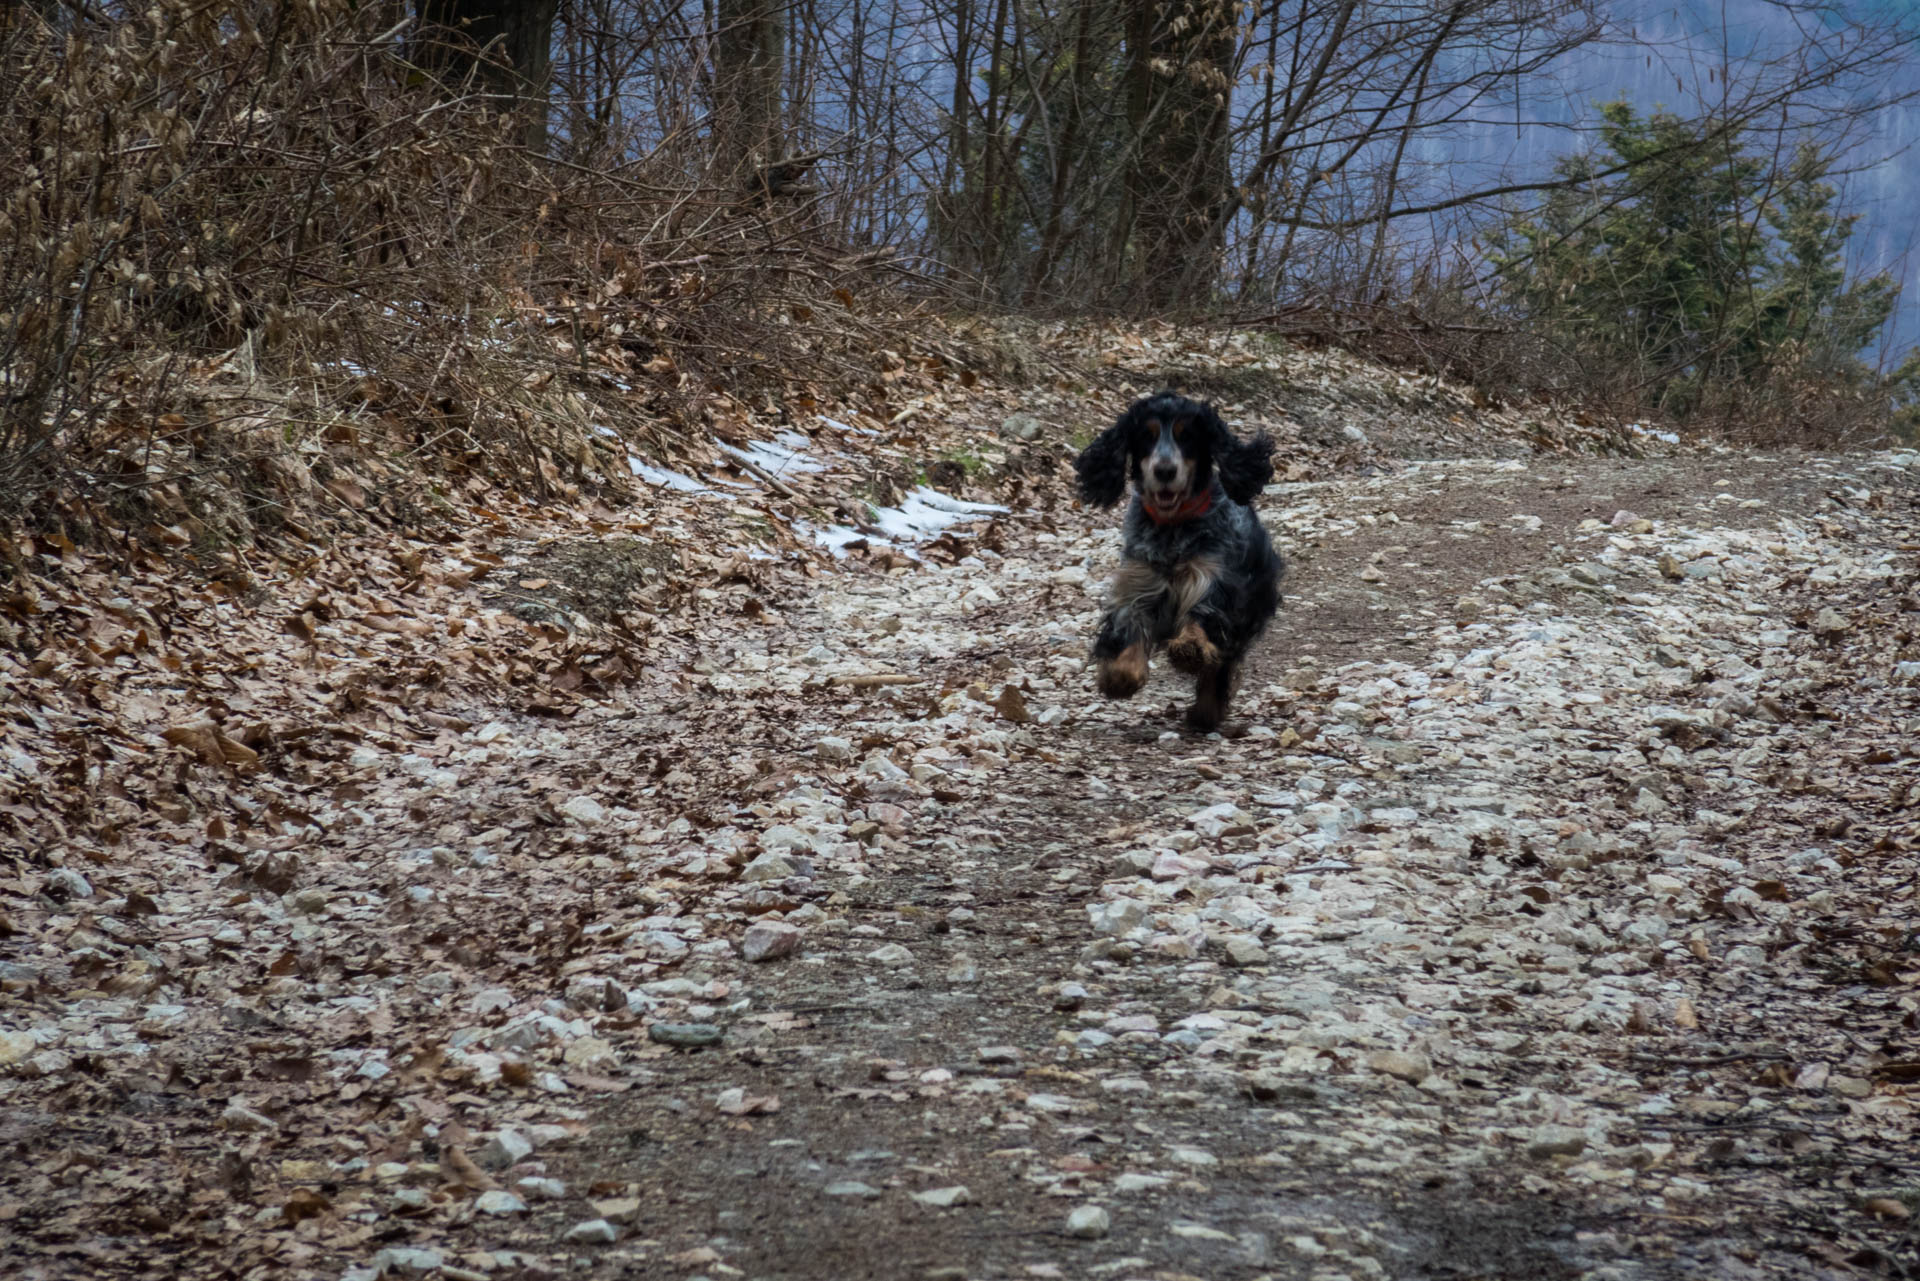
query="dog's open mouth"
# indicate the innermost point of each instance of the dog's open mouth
(1164, 502)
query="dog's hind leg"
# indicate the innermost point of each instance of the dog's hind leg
(1212, 690)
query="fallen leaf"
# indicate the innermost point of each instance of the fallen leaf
(457, 1167)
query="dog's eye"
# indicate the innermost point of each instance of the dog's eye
(1179, 425)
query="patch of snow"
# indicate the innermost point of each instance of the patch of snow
(926, 512)
(923, 514)
(785, 453)
(836, 537)
(1641, 429)
(847, 427)
(661, 476)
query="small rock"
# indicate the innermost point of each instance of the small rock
(1413, 1066)
(1089, 1222)
(963, 969)
(1134, 1182)
(891, 954)
(999, 1054)
(239, 1116)
(773, 865)
(590, 1054)
(1172, 867)
(1117, 917)
(584, 809)
(1243, 949)
(1201, 1232)
(1020, 427)
(508, 1147)
(770, 940)
(1468, 608)
(834, 749)
(698, 1257)
(499, 1201)
(852, 1188)
(594, 993)
(1353, 435)
(63, 883)
(593, 1232)
(16, 1047)
(1828, 622)
(406, 1260)
(684, 1034)
(944, 1198)
(309, 902)
(621, 1210)
(535, 1188)
(1557, 1140)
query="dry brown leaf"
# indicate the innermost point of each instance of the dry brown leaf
(457, 1167)
(1012, 704)
(1684, 1015)
(303, 1204)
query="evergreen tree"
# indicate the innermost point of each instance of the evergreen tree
(1677, 254)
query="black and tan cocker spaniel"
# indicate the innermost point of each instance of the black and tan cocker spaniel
(1198, 574)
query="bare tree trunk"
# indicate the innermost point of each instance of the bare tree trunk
(1179, 70)
(1064, 154)
(749, 59)
(992, 195)
(507, 44)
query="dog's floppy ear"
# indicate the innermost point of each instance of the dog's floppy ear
(1102, 466)
(1245, 468)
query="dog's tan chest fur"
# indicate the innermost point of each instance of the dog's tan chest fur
(1137, 584)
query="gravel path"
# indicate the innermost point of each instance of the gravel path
(1549, 913)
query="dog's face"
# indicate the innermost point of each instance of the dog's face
(1168, 456)
(1171, 448)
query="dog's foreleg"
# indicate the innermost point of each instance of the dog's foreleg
(1198, 598)
(1191, 650)
(1120, 654)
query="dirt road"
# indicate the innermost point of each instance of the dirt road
(1549, 913)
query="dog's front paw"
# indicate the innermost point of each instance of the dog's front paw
(1191, 652)
(1122, 675)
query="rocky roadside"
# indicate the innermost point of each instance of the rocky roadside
(1551, 916)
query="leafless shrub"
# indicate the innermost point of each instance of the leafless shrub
(256, 241)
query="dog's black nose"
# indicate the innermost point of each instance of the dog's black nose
(1165, 472)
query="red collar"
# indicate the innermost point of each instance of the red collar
(1194, 507)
